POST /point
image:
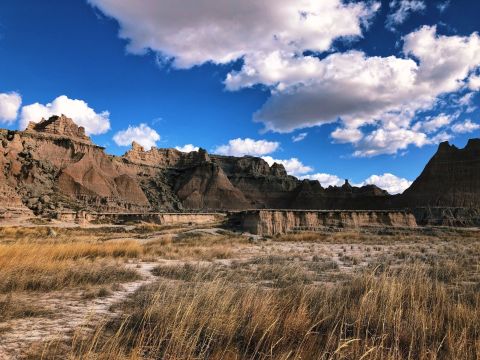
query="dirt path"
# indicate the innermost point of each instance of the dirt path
(70, 311)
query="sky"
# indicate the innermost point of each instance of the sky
(332, 89)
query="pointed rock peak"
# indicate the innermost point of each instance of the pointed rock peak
(473, 144)
(202, 155)
(136, 147)
(347, 185)
(278, 170)
(59, 125)
(445, 146)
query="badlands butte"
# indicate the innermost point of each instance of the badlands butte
(53, 170)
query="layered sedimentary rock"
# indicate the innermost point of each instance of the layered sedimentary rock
(53, 166)
(272, 222)
(450, 179)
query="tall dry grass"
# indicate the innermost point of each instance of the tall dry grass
(55, 266)
(394, 315)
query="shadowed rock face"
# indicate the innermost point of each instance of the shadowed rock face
(450, 179)
(53, 166)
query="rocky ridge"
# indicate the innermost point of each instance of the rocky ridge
(54, 166)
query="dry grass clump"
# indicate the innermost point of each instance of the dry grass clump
(46, 234)
(48, 267)
(194, 246)
(403, 315)
(13, 309)
(381, 236)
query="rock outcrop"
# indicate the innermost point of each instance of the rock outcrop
(450, 179)
(54, 166)
(273, 222)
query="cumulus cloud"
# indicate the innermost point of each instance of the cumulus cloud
(465, 127)
(325, 180)
(389, 182)
(433, 123)
(299, 137)
(474, 83)
(388, 141)
(193, 32)
(401, 11)
(293, 166)
(187, 148)
(372, 97)
(9, 106)
(83, 115)
(142, 134)
(346, 135)
(241, 147)
(385, 93)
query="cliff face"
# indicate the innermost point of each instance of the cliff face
(450, 179)
(272, 222)
(53, 165)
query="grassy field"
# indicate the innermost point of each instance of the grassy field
(342, 295)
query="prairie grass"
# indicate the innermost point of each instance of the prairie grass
(46, 267)
(381, 236)
(404, 295)
(194, 246)
(393, 315)
(11, 308)
(49, 234)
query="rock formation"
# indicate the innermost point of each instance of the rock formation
(272, 222)
(54, 166)
(450, 179)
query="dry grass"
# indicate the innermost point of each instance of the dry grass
(380, 236)
(46, 267)
(394, 315)
(11, 308)
(194, 246)
(390, 295)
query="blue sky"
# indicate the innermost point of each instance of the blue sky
(366, 88)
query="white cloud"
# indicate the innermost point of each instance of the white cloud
(299, 137)
(142, 134)
(401, 11)
(474, 83)
(187, 148)
(241, 147)
(440, 137)
(346, 135)
(388, 141)
(373, 98)
(465, 127)
(389, 182)
(9, 106)
(325, 180)
(443, 6)
(193, 32)
(83, 115)
(293, 166)
(385, 93)
(432, 124)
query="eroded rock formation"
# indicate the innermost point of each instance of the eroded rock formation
(450, 179)
(272, 222)
(54, 166)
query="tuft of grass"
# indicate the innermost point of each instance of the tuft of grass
(12, 308)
